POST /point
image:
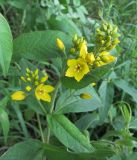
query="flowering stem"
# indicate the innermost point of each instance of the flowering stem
(40, 128)
(52, 107)
(42, 107)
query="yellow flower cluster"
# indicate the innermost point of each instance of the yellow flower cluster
(106, 37)
(81, 66)
(33, 82)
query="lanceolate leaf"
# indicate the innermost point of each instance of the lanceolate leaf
(94, 76)
(4, 120)
(65, 25)
(5, 45)
(39, 45)
(68, 134)
(35, 150)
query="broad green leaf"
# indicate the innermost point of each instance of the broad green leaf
(68, 133)
(39, 45)
(35, 150)
(28, 150)
(89, 120)
(4, 120)
(126, 87)
(94, 76)
(106, 92)
(70, 101)
(65, 25)
(6, 45)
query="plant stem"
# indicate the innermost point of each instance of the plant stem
(52, 107)
(40, 128)
(42, 107)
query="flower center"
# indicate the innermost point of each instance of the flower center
(41, 91)
(78, 68)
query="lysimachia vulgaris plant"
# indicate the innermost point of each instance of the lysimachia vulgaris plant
(72, 91)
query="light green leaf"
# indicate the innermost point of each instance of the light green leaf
(6, 45)
(35, 150)
(39, 45)
(106, 92)
(4, 120)
(68, 134)
(28, 150)
(70, 101)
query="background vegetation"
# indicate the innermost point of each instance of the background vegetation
(115, 123)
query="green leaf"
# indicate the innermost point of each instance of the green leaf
(4, 120)
(89, 120)
(106, 92)
(35, 150)
(28, 150)
(6, 45)
(65, 25)
(70, 101)
(126, 87)
(39, 45)
(68, 134)
(94, 76)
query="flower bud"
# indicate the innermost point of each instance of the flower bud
(85, 96)
(60, 44)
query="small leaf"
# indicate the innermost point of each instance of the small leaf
(6, 45)
(68, 134)
(4, 120)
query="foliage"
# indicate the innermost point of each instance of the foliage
(68, 87)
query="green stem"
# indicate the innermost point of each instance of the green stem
(52, 107)
(42, 107)
(40, 128)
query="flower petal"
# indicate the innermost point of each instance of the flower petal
(70, 72)
(48, 88)
(46, 97)
(71, 62)
(18, 96)
(78, 76)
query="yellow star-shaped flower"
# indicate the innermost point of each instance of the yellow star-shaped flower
(89, 57)
(77, 68)
(42, 92)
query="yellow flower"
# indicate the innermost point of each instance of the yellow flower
(43, 79)
(106, 57)
(77, 68)
(42, 92)
(85, 96)
(18, 96)
(28, 88)
(89, 57)
(60, 44)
